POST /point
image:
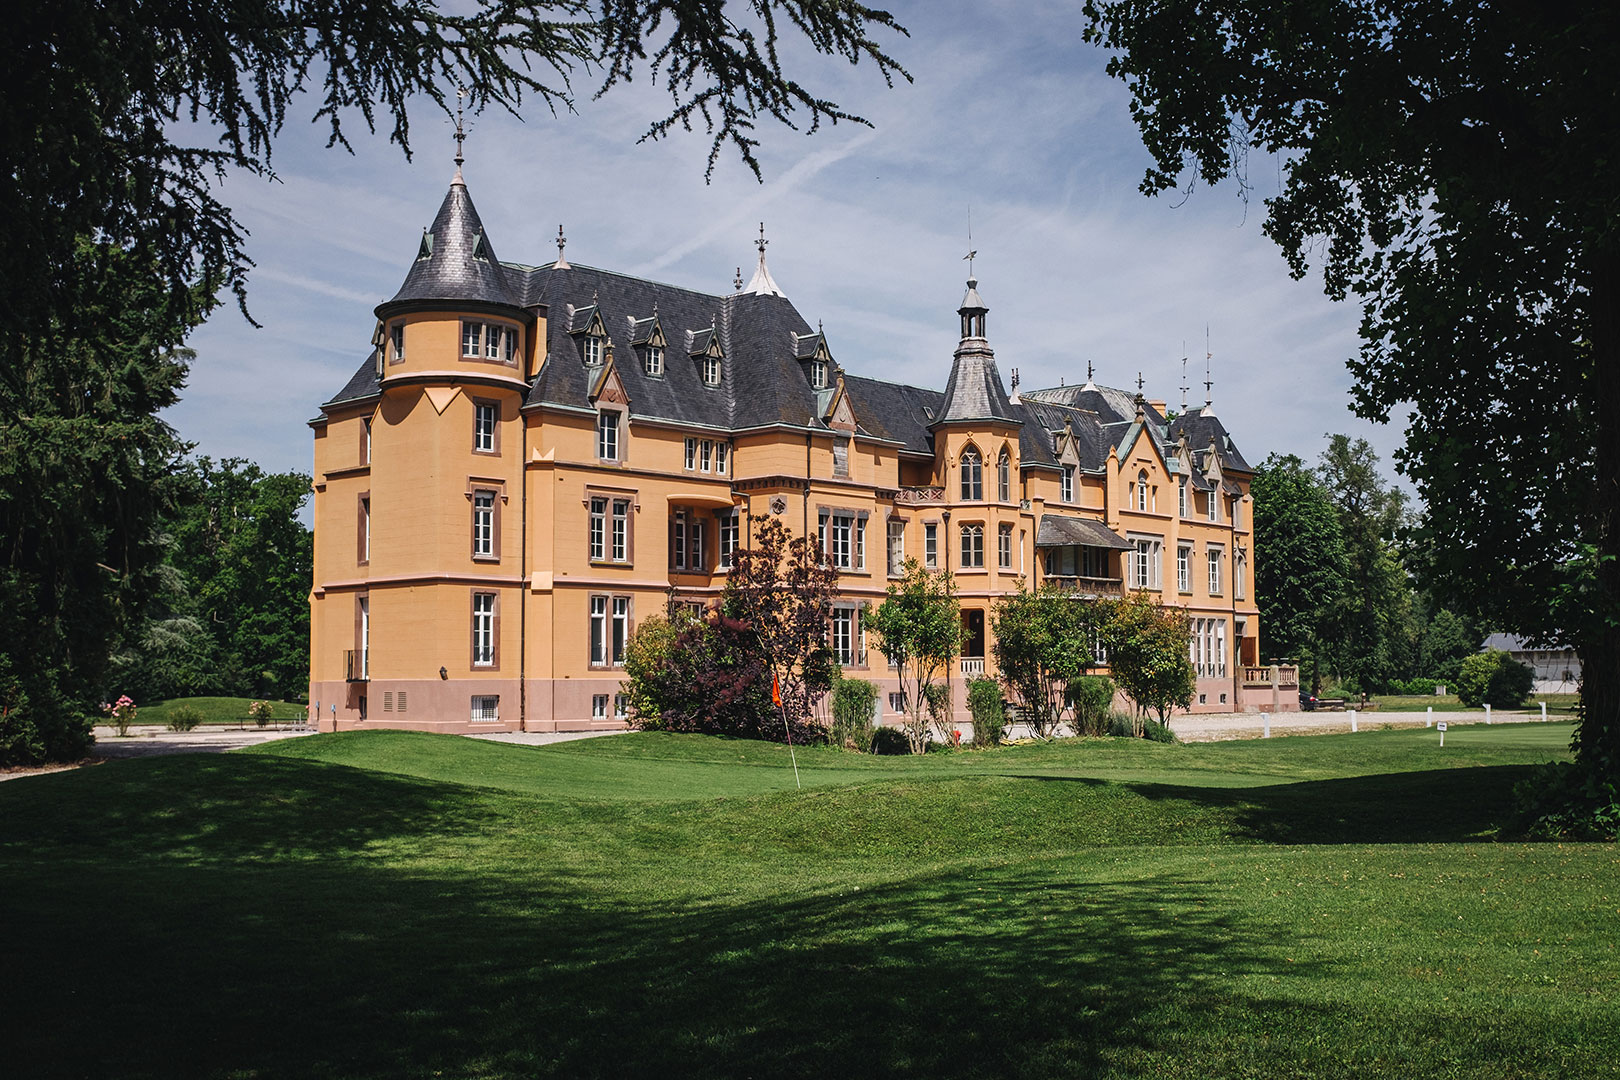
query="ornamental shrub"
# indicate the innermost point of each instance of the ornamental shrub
(989, 711)
(1154, 731)
(1418, 687)
(852, 704)
(184, 717)
(1092, 697)
(890, 740)
(261, 712)
(1495, 678)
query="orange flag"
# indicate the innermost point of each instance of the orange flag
(776, 691)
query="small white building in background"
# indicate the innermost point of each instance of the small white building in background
(1558, 669)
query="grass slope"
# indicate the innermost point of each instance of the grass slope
(399, 905)
(216, 710)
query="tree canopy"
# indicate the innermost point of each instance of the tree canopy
(1448, 164)
(919, 628)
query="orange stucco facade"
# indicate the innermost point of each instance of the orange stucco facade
(483, 543)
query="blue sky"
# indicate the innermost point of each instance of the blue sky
(1011, 118)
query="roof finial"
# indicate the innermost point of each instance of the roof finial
(1183, 376)
(1209, 384)
(1139, 383)
(461, 131)
(562, 241)
(762, 283)
(972, 254)
(736, 282)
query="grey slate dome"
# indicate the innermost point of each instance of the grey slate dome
(456, 261)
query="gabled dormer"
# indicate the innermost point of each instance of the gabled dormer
(703, 346)
(585, 326)
(837, 413)
(647, 339)
(811, 351)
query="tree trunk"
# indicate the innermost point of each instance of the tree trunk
(1597, 737)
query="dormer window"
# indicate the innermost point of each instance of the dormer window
(818, 374)
(653, 361)
(711, 371)
(594, 344)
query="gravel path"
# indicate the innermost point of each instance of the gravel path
(1217, 727)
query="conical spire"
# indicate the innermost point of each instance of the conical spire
(974, 391)
(762, 283)
(456, 261)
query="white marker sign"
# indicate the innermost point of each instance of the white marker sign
(1441, 727)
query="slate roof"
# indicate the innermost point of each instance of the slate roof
(1056, 530)
(458, 263)
(1200, 429)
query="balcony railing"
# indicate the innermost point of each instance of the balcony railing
(354, 665)
(1258, 677)
(1089, 586)
(913, 496)
(972, 665)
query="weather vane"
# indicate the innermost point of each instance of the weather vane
(461, 132)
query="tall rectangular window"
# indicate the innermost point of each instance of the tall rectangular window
(843, 540)
(930, 545)
(697, 560)
(483, 525)
(483, 629)
(593, 349)
(691, 453)
(1184, 567)
(1146, 554)
(471, 339)
(1240, 574)
(365, 445)
(621, 627)
(722, 455)
(492, 341)
(1004, 547)
(655, 361)
(365, 530)
(1181, 498)
(840, 449)
(396, 334)
(729, 529)
(607, 435)
(972, 546)
(599, 631)
(598, 529)
(897, 547)
(1004, 477)
(845, 631)
(711, 370)
(484, 427)
(677, 541)
(621, 530)
(1212, 505)
(1214, 556)
(706, 455)
(1068, 483)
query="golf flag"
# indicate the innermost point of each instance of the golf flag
(776, 691)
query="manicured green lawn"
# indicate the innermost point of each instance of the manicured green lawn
(1561, 704)
(393, 904)
(215, 710)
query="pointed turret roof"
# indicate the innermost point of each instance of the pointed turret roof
(974, 391)
(456, 261)
(762, 284)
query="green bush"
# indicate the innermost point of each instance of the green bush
(852, 704)
(989, 711)
(1418, 687)
(184, 717)
(1493, 678)
(1121, 725)
(1092, 698)
(890, 740)
(937, 696)
(261, 713)
(1154, 731)
(1562, 801)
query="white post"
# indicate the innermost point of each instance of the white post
(1265, 718)
(1487, 712)
(1543, 712)
(1428, 718)
(1353, 720)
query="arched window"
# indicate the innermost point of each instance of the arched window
(1142, 491)
(972, 476)
(1004, 476)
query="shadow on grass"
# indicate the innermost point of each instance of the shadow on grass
(301, 920)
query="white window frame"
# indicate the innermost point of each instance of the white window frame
(481, 709)
(706, 456)
(1212, 505)
(593, 349)
(730, 535)
(1184, 567)
(896, 547)
(485, 416)
(971, 551)
(844, 634)
(596, 534)
(1181, 497)
(1142, 492)
(598, 639)
(711, 370)
(722, 457)
(396, 333)
(691, 454)
(619, 534)
(654, 363)
(1213, 556)
(472, 337)
(493, 333)
(607, 434)
(483, 523)
(1068, 484)
(972, 469)
(1146, 562)
(483, 629)
(1004, 476)
(931, 545)
(1004, 547)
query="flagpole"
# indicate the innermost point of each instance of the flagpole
(776, 695)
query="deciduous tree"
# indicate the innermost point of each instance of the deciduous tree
(919, 628)
(1147, 654)
(1045, 641)
(1450, 163)
(1299, 560)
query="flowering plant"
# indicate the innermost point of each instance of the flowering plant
(122, 713)
(260, 712)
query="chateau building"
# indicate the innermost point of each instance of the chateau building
(532, 458)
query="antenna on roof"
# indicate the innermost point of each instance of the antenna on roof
(972, 254)
(562, 241)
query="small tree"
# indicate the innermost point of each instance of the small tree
(1493, 677)
(782, 589)
(1147, 653)
(852, 706)
(1043, 644)
(919, 628)
(989, 711)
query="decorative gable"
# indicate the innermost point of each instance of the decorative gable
(840, 416)
(609, 388)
